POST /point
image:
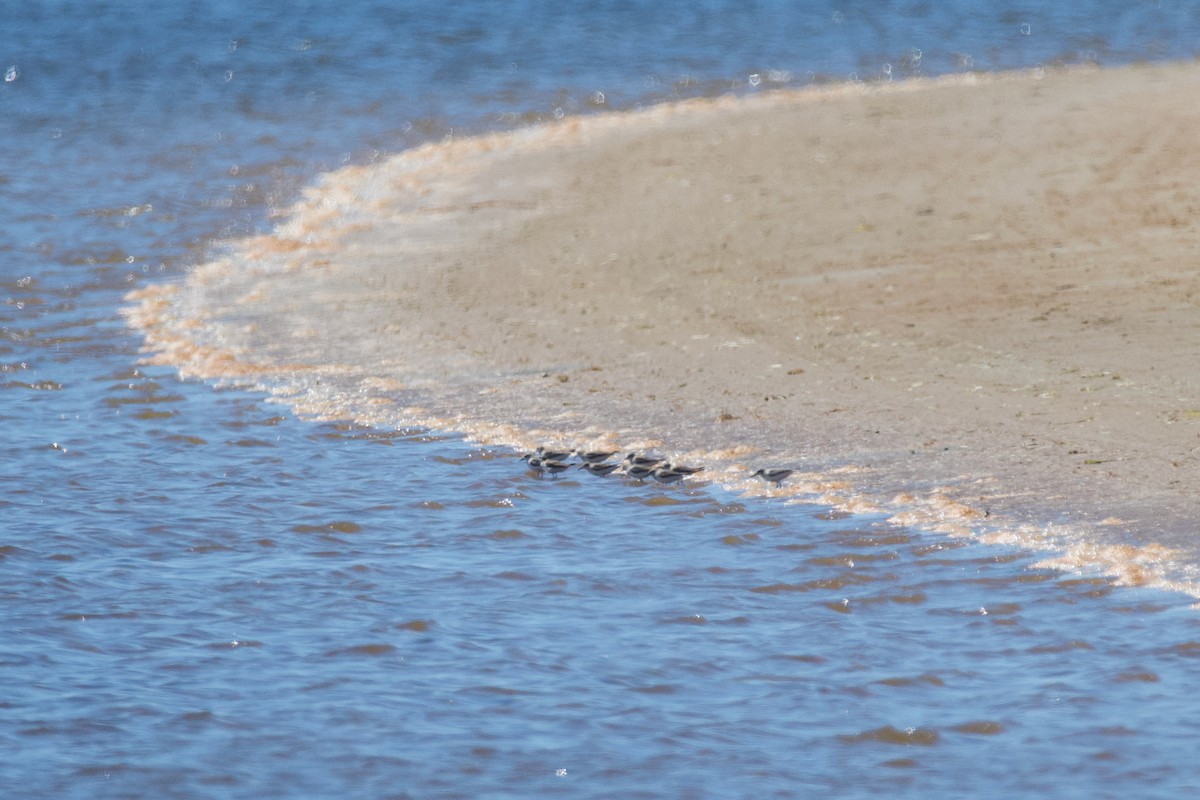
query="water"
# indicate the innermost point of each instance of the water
(204, 596)
(319, 610)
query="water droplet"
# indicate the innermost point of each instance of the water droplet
(11, 74)
(1025, 29)
(755, 79)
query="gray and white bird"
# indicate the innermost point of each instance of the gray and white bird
(535, 463)
(555, 467)
(594, 456)
(600, 469)
(665, 475)
(642, 461)
(639, 472)
(775, 476)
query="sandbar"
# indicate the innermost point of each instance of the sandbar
(972, 302)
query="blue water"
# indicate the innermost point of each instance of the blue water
(203, 596)
(332, 611)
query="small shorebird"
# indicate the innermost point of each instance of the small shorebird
(594, 456)
(552, 455)
(665, 475)
(683, 469)
(642, 461)
(535, 463)
(599, 469)
(555, 467)
(775, 476)
(639, 472)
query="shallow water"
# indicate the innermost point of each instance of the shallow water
(205, 596)
(226, 601)
(293, 609)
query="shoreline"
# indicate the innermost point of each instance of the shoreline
(968, 302)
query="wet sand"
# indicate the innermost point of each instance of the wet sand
(970, 301)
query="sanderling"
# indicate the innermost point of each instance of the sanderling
(599, 469)
(664, 475)
(555, 467)
(642, 461)
(775, 476)
(639, 472)
(683, 469)
(594, 456)
(552, 455)
(535, 463)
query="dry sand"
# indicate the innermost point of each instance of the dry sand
(971, 302)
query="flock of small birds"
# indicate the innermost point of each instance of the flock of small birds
(638, 467)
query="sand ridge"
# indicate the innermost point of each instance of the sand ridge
(971, 300)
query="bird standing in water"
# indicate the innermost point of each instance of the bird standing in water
(594, 456)
(599, 469)
(775, 476)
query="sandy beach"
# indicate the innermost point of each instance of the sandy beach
(971, 302)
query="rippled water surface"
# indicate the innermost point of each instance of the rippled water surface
(286, 609)
(204, 596)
